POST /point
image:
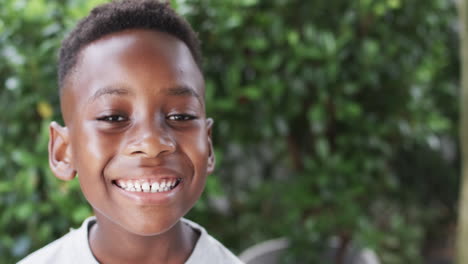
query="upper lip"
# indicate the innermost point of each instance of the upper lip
(150, 174)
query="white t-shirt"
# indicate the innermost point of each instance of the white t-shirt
(74, 248)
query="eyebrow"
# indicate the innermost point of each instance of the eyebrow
(110, 90)
(182, 90)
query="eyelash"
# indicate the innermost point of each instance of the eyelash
(119, 118)
(181, 117)
(112, 118)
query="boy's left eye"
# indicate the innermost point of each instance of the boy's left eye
(181, 117)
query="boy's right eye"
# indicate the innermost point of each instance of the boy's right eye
(112, 118)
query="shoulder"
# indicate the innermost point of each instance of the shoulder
(64, 249)
(209, 250)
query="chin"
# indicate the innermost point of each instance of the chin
(150, 226)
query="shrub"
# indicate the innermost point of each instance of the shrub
(332, 118)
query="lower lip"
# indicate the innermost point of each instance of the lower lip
(149, 197)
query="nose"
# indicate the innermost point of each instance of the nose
(150, 141)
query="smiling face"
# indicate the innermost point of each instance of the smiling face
(135, 116)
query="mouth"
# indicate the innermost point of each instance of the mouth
(147, 185)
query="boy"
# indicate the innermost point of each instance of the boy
(132, 98)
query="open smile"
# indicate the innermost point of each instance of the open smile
(149, 191)
(148, 185)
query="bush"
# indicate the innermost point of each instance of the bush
(331, 118)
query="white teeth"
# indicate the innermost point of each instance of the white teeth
(137, 186)
(154, 187)
(145, 187)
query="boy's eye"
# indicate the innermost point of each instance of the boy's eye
(112, 118)
(181, 117)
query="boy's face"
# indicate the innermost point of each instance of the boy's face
(134, 110)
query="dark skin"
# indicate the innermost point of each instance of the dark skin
(134, 109)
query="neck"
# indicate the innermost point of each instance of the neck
(110, 243)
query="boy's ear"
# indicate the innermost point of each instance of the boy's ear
(211, 157)
(60, 152)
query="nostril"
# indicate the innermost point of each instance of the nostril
(150, 145)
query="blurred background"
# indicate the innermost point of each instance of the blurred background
(336, 122)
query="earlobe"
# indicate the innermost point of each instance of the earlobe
(60, 152)
(211, 156)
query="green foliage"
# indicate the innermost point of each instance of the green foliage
(331, 119)
(35, 206)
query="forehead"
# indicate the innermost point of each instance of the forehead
(137, 45)
(135, 56)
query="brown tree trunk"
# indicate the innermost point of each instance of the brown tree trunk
(462, 239)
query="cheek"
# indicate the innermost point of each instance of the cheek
(196, 148)
(92, 150)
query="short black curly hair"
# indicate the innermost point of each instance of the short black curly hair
(122, 15)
